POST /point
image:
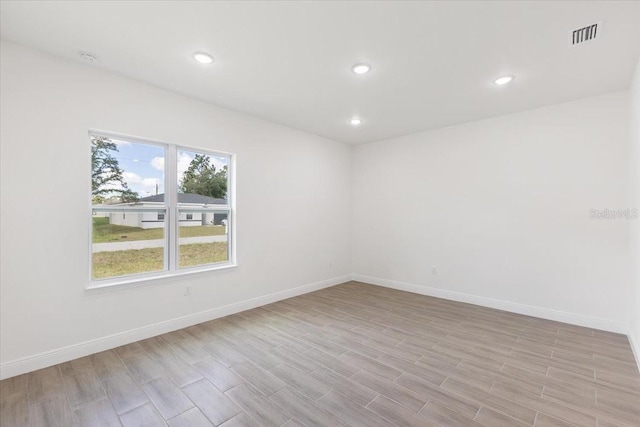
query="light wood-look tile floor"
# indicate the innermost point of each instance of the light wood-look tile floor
(353, 354)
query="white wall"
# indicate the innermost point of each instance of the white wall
(501, 208)
(635, 203)
(47, 107)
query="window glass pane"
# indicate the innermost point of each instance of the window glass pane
(202, 178)
(127, 175)
(204, 239)
(202, 183)
(127, 242)
(126, 171)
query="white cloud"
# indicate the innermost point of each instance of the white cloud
(184, 160)
(143, 186)
(158, 163)
(131, 178)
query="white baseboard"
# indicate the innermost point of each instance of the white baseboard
(513, 307)
(53, 357)
(529, 310)
(49, 358)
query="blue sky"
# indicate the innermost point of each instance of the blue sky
(143, 165)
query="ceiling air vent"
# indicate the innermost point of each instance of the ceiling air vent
(585, 34)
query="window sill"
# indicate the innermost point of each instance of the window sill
(146, 280)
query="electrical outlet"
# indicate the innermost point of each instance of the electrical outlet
(187, 291)
(434, 270)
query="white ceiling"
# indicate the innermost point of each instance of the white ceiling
(289, 62)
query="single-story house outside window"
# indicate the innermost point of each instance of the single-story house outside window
(156, 220)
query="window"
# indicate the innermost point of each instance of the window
(157, 209)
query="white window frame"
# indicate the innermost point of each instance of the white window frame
(171, 244)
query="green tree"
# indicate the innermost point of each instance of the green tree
(202, 178)
(106, 175)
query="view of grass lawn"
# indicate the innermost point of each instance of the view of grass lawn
(103, 232)
(120, 263)
(202, 253)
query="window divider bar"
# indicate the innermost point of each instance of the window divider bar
(190, 209)
(170, 195)
(126, 209)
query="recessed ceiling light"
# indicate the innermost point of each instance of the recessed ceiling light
(203, 58)
(503, 80)
(355, 122)
(88, 57)
(361, 68)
